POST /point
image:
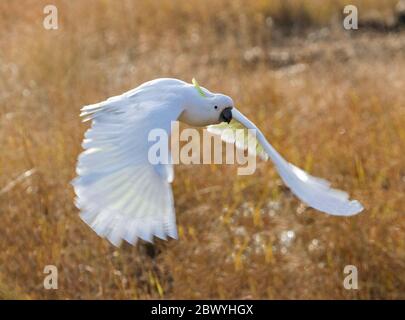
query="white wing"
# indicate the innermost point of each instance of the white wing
(228, 133)
(121, 195)
(315, 192)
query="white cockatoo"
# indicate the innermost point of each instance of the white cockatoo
(121, 195)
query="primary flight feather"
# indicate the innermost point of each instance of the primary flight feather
(122, 195)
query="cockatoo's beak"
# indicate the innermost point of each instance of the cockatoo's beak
(226, 115)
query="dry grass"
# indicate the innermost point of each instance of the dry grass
(330, 101)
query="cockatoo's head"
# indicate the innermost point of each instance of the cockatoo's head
(207, 108)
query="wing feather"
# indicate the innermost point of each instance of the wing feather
(120, 194)
(241, 141)
(313, 191)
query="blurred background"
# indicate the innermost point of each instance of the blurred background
(330, 100)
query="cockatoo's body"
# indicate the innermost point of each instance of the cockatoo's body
(122, 195)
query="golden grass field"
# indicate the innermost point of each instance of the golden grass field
(331, 101)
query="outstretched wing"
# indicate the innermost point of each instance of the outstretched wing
(229, 133)
(120, 193)
(315, 192)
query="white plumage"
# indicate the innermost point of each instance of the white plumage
(313, 191)
(122, 195)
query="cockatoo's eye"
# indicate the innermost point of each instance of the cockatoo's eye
(216, 107)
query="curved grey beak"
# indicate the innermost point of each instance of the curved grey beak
(226, 115)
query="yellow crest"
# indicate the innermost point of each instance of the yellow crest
(197, 86)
